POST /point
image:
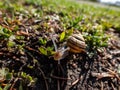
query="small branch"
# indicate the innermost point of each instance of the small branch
(40, 71)
(31, 49)
(60, 78)
(102, 75)
(102, 86)
(11, 88)
(112, 86)
(76, 81)
(113, 73)
(44, 78)
(58, 83)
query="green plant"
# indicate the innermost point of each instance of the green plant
(96, 39)
(4, 33)
(6, 87)
(46, 51)
(32, 2)
(26, 79)
(42, 41)
(5, 75)
(62, 36)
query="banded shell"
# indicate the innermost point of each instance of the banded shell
(76, 43)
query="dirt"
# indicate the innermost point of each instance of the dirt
(98, 71)
(75, 72)
(91, 73)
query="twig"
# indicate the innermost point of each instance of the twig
(58, 85)
(112, 86)
(60, 78)
(31, 49)
(41, 72)
(101, 86)
(101, 75)
(44, 78)
(22, 33)
(116, 44)
(76, 81)
(113, 73)
(59, 65)
(11, 88)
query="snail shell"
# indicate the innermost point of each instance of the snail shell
(76, 43)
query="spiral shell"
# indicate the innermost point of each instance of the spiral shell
(76, 43)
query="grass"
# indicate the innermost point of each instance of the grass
(92, 21)
(73, 10)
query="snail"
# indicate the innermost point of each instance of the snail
(61, 53)
(75, 44)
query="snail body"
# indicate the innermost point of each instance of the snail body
(60, 54)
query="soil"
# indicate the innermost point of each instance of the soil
(98, 71)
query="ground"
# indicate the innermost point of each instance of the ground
(28, 31)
